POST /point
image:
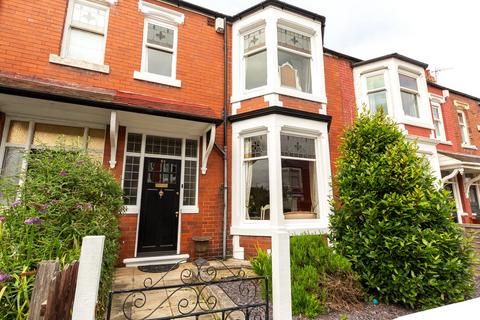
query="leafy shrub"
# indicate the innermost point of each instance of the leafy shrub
(321, 279)
(66, 196)
(393, 224)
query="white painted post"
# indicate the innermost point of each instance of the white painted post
(281, 280)
(88, 279)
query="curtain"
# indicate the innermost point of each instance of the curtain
(248, 177)
(313, 187)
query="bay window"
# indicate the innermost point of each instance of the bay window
(255, 59)
(377, 92)
(294, 60)
(409, 94)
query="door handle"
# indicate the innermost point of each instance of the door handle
(176, 214)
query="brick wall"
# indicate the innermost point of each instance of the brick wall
(341, 101)
(40, 24)
(250, 244)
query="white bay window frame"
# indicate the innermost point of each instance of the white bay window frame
(274, 125)
(462, 123)
(163, 17)
(65, 57)
(392, 67)
(271, 18)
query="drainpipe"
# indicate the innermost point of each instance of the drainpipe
(225, 149)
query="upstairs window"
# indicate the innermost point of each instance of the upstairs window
(438, 121)
(409, 93)
(86, 29)
(255, 59)
(462, 121)
(377, 93)
(159, 49)
(294, 60)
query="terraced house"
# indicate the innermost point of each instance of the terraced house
(221, 127)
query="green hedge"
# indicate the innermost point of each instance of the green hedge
(393, 223)
(66, 196)
(321, 279)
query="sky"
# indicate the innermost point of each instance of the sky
(443, 33)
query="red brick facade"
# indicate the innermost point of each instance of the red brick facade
(200, 68)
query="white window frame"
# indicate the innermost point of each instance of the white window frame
(464, 134)
(30, 134)
(135, 209)
(456, 196)
(297, 52)
(244, 160)
(476, 187)
(410, 91)
(64, 59)
(385, 88)
(392, 67)
(163, 17)
(246, 54)
(271, 18)
(438, 106)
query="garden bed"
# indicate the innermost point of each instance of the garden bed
(368, 311)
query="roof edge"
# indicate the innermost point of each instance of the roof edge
(110, 105)
(341, 55)
(392, 55)
(466, 95)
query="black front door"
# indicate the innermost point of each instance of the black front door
(158, 228)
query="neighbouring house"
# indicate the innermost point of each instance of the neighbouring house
(217, 126)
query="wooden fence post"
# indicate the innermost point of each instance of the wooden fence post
(46, 271)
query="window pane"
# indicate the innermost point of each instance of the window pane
(257, 195)
(378, 100)
(256, 70)
(18, 132)
(460, 118)
(191, 148)
(85, 46)
(160, 36)
(255, 146)
(162, 145)
(473, 197)
(438, 132)
(299, 188)
(408, 82)
(89, 16)
(435, 113)
(190, 183)
(293, 40)
(375, 82)
(134, 142)
(294, 71)
(254, 40)
(130, 180)
(297, 147)
(96, 143)
(409, 101)
(51, 135)
(12, 163)
(159, 62)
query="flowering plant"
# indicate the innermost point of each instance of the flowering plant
(65, 196)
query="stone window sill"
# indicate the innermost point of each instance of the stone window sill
(469, 146)
(102, 68)
(151, 77)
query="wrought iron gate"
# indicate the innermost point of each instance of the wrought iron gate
(207, 288)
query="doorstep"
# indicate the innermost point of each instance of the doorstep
(157, 260)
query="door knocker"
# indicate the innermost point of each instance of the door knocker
(161, 193)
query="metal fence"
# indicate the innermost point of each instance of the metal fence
(207, 290)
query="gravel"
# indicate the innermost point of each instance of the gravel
(363, 311)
